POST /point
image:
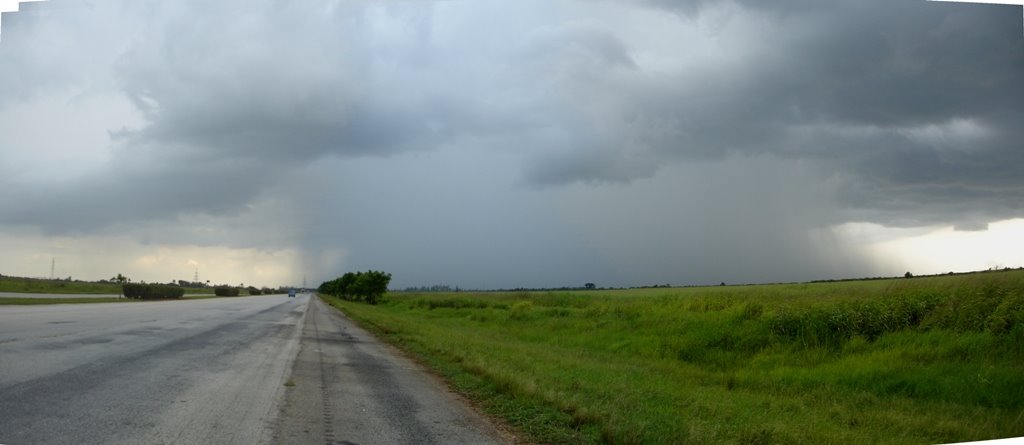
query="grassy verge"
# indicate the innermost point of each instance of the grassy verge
(924, 360)
(41, 286)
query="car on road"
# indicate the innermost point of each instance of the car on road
(291, 293)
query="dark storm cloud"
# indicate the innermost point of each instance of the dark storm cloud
(846, 84)
(837, 82)
(136, 192)
(905, 113)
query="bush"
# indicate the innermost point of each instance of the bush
(152, 291)
(254, 291)
(225, 291)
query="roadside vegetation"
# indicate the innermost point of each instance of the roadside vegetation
(226, 291)
(69, 286)
(912, 360)
(58, 286)
(152, 291)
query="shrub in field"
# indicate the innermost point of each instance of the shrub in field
(969, 308)
(254, 290)
(225, 291)
(522, 311)
(152, 291)
(1007, 316)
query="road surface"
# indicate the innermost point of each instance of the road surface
(264, 369)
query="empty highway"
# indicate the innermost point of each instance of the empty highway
(264, 369)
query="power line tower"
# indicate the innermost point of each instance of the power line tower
(53, 265)
(195, 276)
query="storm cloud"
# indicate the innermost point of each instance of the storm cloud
(498, 144)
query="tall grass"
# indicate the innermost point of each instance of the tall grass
(923, 360)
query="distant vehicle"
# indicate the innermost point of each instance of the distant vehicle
(291, 293)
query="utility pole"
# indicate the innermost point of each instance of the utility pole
(195, 277)
(53, 265)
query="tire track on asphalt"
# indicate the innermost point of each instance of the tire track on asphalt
(325, 399)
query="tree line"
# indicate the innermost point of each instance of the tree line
(366, 286)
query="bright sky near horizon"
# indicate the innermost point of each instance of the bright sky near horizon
(12, 5)
(490, 145)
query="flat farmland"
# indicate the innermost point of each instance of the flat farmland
(914, 360)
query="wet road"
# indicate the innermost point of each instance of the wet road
(214, 371)
(193, 371)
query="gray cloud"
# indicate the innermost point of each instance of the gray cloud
(902, 113)
(852, 86)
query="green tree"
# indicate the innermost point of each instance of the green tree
(121, 279)
(372, 284)
(366, 286)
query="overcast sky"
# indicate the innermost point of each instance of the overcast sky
(491, 144)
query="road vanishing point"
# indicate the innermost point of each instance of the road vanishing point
(263, 369)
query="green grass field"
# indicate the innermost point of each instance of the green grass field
(922, 360)
(43, 286)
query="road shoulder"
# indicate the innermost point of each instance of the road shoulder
(346, 386)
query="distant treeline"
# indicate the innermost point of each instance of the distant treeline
(434, 288)
(446, 288)
(590, 286)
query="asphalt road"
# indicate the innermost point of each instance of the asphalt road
(214, 371)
